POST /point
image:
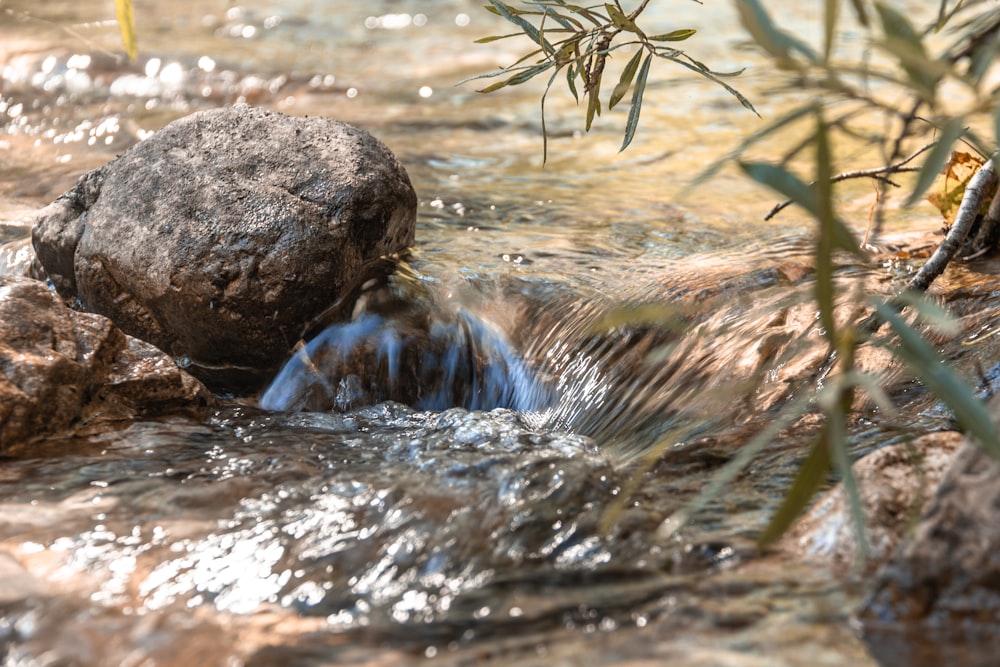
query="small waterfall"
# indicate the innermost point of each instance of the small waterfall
(541, 355)
(564, 362)
(426, 357)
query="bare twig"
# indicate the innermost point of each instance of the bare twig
(980, 185)
(878, 173)
(875, 227)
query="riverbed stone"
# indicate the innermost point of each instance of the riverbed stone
(895, 484)
(948, 573)
(60, 368)
(221, 238)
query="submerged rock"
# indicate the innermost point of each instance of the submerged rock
(948, 574)
(227, 233)
(59, 367)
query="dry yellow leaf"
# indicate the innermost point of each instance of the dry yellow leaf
(957, 172)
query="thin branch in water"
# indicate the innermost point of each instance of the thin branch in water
(980, 185)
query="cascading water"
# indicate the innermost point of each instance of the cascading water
(433, 361)
(554, 362)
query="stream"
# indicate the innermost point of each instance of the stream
(519, 522)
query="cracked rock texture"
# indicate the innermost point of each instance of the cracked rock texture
(223, 236)
(60, 369)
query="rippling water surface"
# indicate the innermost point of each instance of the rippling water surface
(522, 528)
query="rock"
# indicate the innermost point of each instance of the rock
(895, 484)
(59, 367)
(948, 573)
(227, 233)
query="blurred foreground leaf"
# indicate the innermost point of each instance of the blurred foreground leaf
(126, 24)
(936, 375)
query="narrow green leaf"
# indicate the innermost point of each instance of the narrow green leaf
(531, 72)
(772, 39)
(788, 184)
(931, 312)
(946, 384)
(811, 475)
(937, 158)
(787, 415)
(674, 36)
(700, 68)
(581, 11)
(626, 79)
(488, 75)
(531, 31)
(869, 384)
(571, 74)
(784, 182)
(894, 24)
(567, 22)
(593, 104)
(831, 15)
(778, 125)
(495, 86)
(633, 114)
(545, 132)
(834, 233)
(525, 74)
(828, 241)
(493, 38)
(618, 18)
(126, 25)
(945, 15)
(837, 451)
(903, 41)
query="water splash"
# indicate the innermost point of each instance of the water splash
(542, 355)
(429, 360)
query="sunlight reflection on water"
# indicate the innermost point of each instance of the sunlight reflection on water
(426, 528)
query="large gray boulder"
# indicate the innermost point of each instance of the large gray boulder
(60, 368)
(223, 236)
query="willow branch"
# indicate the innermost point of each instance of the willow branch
(982, 183)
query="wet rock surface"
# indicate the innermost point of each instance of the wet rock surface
(948, 573)
(895, 484)
(222, 236)
(60, 368)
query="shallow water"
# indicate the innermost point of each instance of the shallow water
(522, 528)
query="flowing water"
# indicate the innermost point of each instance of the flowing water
(465, 478)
